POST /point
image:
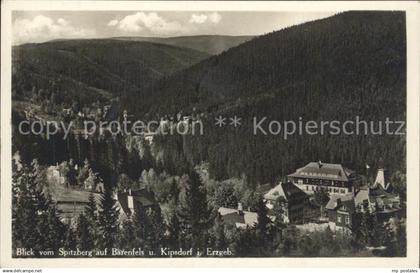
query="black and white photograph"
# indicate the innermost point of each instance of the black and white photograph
(218, 133)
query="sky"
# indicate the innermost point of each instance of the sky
(41, 26)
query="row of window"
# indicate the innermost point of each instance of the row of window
(319, 174)
(328, 189)
(322, 182)
(346, 219)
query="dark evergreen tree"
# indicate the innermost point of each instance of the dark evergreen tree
(128, 238)
(26, 214)
(224, 196)
(156, 226)
(288, 245)
(51, 229)
(173, 232)
(376, 229)
(390, 242)
(218, 238)
(84, 235)
(36, 224)
(141, 226)
(194, 214)
(264, 231)
(401, 238)
(307, 247)
(71, 174)
(91, 217)
(359, 231)
(70, 240)
(83, 173)
(245, 243)
(108, 218)
(321, 198)
(16, 192)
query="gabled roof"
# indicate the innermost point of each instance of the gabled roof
(284, 190)
(372, 195)
(387, 201)
(378, 190)
(141, 198)
(345, 200)
(362, 195)
(233, 217)
(240, 219)
(323, 171)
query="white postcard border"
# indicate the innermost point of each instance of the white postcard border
(412, 18)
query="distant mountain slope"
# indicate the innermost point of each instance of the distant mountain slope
(211, 44)
(351, 64)
(105, 64)
(353, 48)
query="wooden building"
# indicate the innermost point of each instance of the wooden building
(333, 178)
(286, 201)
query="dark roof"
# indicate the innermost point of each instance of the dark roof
(347, 205)
(376, 195)
(346, 201)
(378, 190)
(141, 198)
(112, 113)
(284, 190)
(387, 201)
(233, 218)
(323, 171)
(264, 188)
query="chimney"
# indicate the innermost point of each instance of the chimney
(240, 209)
(380, 163)
(338, 202)
(130, 202)
(319, 164)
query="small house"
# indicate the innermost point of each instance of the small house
(287, 200)
(238, 218)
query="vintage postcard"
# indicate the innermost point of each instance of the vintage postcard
(209, 133)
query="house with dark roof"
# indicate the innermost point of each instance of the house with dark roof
(132, 200)
(334, 178)
(377, 200)
(343, 210)
(287, 201)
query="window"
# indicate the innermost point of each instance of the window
(347, 220)
(338, 218)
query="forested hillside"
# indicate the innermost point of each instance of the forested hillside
(211, 44)
(352, 64)
(90, 69)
